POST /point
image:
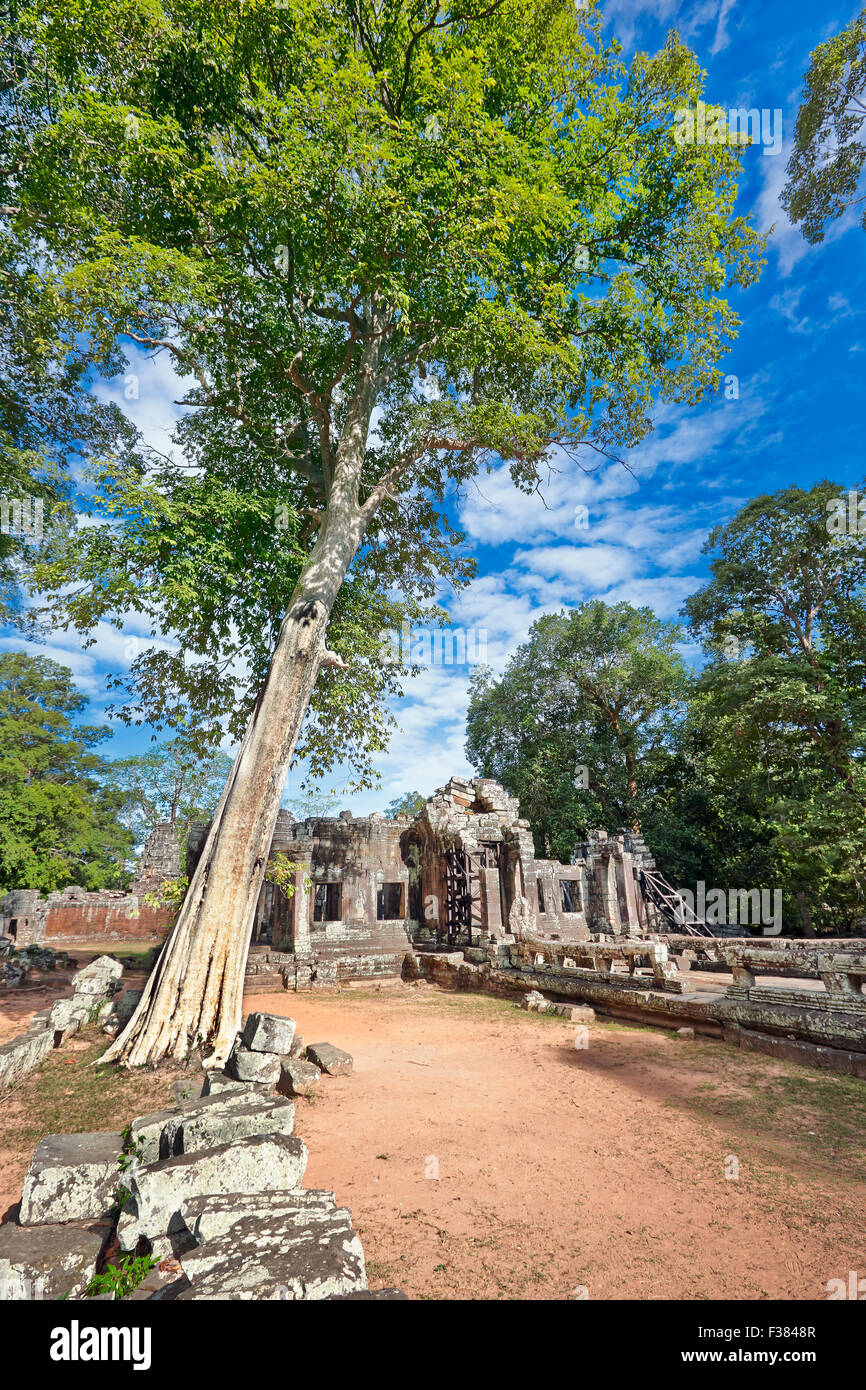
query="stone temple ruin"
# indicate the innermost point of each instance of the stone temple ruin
(461, 873)
(457, 895)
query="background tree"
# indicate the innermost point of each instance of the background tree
(174, 783)
(782, 701)
(48, 417)
(386, 243)
(582, 719)
(826, 165)
(58, 822)
(409, 804)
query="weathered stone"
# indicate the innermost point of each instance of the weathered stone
(262, 1067)
(211, 1216)
(329, 1059)
(94, 986)
(277, 1258)
(297, 1048)
(219, 1081)
(48, 1261)
(72, 1177)
(268, 1033)
(686, 1033)
(103, 967)
(208, 1121)
(261, 1164)
(297, 1077)
(127, 1005)
(23, 1054)
(67, 1015)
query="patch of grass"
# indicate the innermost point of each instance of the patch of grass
(815, 1118)
(68, 1095)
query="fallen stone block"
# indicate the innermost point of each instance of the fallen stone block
(211, 1216)
(260, 1164)
(95, 986)
(261, 1067)
(68, 1015)
(206, 1121)
(297, 1077)
(103, 967)
(275, 1258)
(329, 1059)
(48, 1261)
(687, 1034)
(23, 1054)
(127, 1005)
(72, 1177)
(268, 1033)
(297, 1048)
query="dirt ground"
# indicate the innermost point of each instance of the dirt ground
(484, 1156)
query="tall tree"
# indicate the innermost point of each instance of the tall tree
(386, 243)
(782, 700)
(58, 824)
(173, 783)
(581, 719)
(49, 419)
(826, 165)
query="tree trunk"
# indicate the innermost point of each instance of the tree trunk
(193, 997)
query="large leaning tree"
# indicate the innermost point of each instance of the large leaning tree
(386, 244)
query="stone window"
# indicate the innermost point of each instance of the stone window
(328, 902)
(570, 889)
(541, 906)
(389, 902)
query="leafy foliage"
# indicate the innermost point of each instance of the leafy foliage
(409, 804)
(598, 688)
(58, 823)
(826, 165)
(173, 783)
(384, 246)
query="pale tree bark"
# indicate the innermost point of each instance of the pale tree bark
(194, 995)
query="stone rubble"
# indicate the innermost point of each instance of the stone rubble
(210, 1187)
(93, 991)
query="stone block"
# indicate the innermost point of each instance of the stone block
(268, 1033)
(297, 1077)
(266, 1258)
(103, 968)
(23, 1054)
(329, 1059)
(211, 1216)
(261, 1067)
(687, 1034)
(260, 1164)
(72, 1177)
(48, 1261)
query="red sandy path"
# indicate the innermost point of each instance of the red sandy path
(557, 1168)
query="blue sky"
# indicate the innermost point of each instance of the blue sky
(799, 361)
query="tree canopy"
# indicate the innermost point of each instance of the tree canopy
(172, 783)
(826, 165)
(580, 719)
(58, 822)
(482, 207)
